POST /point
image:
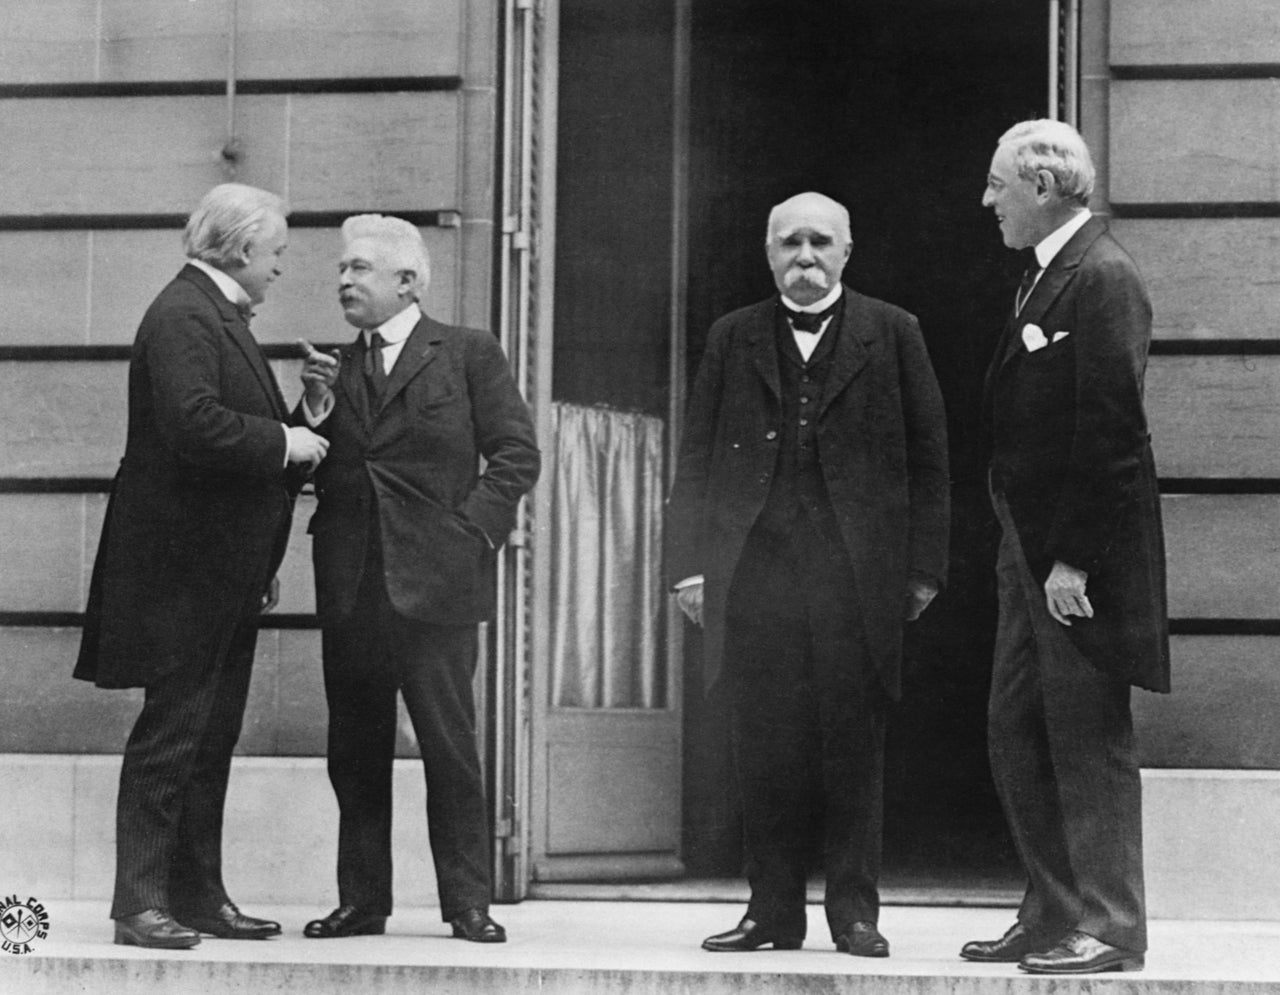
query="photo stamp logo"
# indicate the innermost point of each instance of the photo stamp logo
(21, 923)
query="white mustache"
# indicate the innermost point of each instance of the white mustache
(814, 276)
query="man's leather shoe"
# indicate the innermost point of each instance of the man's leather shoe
(476, 926)
(1080, 953)
(862, 939)
(229, 923)
(346, 920)
(750, 935)
(154, 928)
(1016, 943)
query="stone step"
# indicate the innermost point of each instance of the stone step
(616, 947)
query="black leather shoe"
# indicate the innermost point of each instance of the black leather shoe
(154, 928)
(1017, 942)
(346, 920)
(229, 923)
(862, 939)
(750, 935)
(1080, 953)
(476, 926)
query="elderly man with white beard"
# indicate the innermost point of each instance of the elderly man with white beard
(807, 522)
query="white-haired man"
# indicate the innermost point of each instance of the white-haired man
(1081, 564)
(404, 541)
(194, 532)
(808, 520)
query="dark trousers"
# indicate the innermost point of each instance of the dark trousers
(1062, 754)
(368, 658)
(808, 729)
(173, 783)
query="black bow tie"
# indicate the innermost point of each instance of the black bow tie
(802, 321)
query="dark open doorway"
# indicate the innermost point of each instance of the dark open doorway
(892, 107)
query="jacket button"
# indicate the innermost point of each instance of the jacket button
(804, 400)
(771, 435)
(804, 421)
(764, 478)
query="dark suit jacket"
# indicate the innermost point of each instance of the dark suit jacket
(200, 510)
(1072, 455)
(881, 442)
(414, 463)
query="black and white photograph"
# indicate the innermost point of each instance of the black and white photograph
(640, 497)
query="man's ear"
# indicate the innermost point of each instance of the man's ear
(406, 279)
(1046, 185)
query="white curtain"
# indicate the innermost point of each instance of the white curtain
(606, 560)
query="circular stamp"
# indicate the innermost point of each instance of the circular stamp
(22, 922)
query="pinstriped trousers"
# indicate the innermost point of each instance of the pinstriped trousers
(173, 784)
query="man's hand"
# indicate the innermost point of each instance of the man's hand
(919, 593)
(689, 598)
(1064, 593)
(271, 596)
(319, 373)
(306, 447)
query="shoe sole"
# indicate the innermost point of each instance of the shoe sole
(129, 941)
(372, 929)
(235, 936)
(775, 944)
(1127, 964)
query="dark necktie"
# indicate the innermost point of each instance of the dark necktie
(1027, 285)
(375, 373)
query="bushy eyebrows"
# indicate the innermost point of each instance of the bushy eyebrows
(814, 235)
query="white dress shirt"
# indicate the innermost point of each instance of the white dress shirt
(395, 332)
(1052, 243)
(806, 342)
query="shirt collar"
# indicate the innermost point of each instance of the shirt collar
(1052, 243)
(820, 306)
(231, 290)
(398, 326)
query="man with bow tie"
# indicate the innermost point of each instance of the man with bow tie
(195, 529)
(1081, 564)
(807, 521)
(405, 539)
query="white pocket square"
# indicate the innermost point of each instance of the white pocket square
(1059, 336)
(1033, 337)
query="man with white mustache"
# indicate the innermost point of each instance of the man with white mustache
(808, 520)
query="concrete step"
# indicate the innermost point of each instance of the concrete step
(602, 948)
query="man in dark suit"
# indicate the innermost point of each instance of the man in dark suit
(195, 528)
(405, 540)
(808, 519)
(1081, 564)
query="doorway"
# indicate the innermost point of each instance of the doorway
(893, 108)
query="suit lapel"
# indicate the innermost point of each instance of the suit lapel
(1060, 272)
(851, 350)
(420, 348)
(237, 328)
(763, 345)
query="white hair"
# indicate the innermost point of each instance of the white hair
(226, 220)
(838, 212)
(400, 242)
(1054, 146)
